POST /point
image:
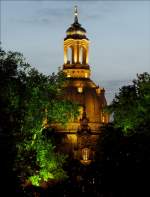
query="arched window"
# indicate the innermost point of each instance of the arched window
(84, 56)
(81, 55)
(85, 154)
(69, 55)
(80, 89)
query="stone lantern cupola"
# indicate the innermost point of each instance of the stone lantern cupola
(76, 46)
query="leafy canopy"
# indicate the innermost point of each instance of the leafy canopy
(131, 107)
(32, 100)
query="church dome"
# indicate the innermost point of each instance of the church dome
(76, 30)
(87, 95)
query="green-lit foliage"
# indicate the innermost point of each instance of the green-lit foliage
(29, 97)
(35, 180)
(48, 164)
(131, 107)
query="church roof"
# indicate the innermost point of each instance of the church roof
(76, 30)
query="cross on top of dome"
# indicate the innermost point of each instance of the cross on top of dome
(75, 14)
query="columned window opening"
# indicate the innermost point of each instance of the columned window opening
(85, 154)
(69, 55)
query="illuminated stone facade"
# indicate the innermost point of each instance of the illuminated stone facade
(80, 135)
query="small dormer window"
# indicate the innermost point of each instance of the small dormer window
(80, 89)
(103, 119)
(68, 75)
(86, 75)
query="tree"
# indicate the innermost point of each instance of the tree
(123, 149)
(131, 107)
(10, 115)
(28, 99)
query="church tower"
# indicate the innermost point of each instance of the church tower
(81, 134)
(76, 44)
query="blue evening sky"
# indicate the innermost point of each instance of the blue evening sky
(119, 33)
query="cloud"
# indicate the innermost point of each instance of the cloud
(34, 20)
(93, 10)
(54, 12)
(44, 16)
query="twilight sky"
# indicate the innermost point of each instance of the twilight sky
(119, 33)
